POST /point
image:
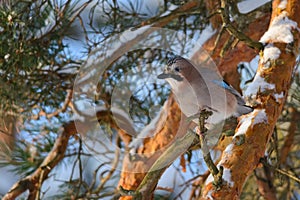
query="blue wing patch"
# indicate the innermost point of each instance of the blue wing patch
(228, 87)
(242, 108)
(223, 84)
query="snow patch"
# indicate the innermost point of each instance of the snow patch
(245, 124)
(279, 96)
(258, 84)
(270, 53)
(209, 195)
(227, 176)
(257, 116)
(78, 117)
(209, 179)
(228, 149)
(6, 57)
(282, 4)
(280, 30)
(261, 117)
(170, 9)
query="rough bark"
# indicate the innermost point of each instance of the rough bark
(212, 7)
(227, 64)
(228, 68)
(241, 160)
(134, 171)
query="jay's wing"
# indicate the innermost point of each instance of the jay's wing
(229, 88)
(242, 108)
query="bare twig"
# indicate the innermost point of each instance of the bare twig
(289, 139)
(58, 111)
(112, 170)
(288, 174)
(216, 173)
(34, 181)
(188, 8)
(224, 11)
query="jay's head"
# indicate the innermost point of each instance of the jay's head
(177, 68)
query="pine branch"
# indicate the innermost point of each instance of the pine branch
(34, 181)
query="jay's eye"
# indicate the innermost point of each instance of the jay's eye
(177, 69)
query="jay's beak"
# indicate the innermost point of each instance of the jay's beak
(163, 76)
(174, 76)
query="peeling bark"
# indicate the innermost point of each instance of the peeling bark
(240, 53)
(228, 68)
(134, 171)
(243, 159)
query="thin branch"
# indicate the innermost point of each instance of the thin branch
(112, 170)
(216, 173)
(58, 111)
(289, 175)
(289, 139)
(224, 11)
(57, 153)
(187, 8)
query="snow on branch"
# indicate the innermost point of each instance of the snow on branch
(280, 30)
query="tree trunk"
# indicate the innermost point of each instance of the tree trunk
(130, 180)
(239, 161)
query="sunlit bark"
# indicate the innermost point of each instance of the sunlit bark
(241, 160)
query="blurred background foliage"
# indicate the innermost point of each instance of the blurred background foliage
(43, 44)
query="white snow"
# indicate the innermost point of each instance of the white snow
(280, 30)
(209, 179)
(6, 57)
(258, 83)
(208, 196)
(9, 18)
(245, 124)
(282, 4)
(270, 53)
(261, 117)
(279, 96)
(257, 116)
(171, 8)
(227, 176)
(228, 149)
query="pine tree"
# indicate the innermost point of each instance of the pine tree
(84, 117)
